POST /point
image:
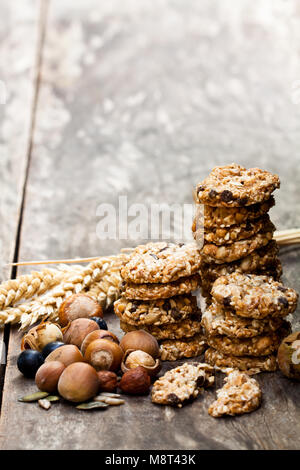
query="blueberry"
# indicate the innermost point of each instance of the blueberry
(29, 361)
(100, 322)
(50, 347)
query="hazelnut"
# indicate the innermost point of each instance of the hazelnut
(78, 306)
(108, 381)
(140, 340)
(78, 382)
(135, 381)
(67, 354)
(77, 331)
(48, 375)
(98, 334)
(289, 356)
(133, 359)
(103, 354)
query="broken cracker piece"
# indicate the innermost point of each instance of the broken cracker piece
(240, 394)
(182, 383)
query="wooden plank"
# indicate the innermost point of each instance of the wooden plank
(143, 98)
(17, 75)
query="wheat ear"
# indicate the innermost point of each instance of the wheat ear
(34, 284)
(48, 304)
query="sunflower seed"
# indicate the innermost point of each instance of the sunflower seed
(33, 397)
(112, 401)
(91, 405)
(108, 394)
(44, 403)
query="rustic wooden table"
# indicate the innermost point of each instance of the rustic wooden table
(141, 98)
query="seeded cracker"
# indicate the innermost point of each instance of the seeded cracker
(182, 384)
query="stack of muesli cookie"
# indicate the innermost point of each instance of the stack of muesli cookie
(159, 282)
(245, 322)
(233, 224)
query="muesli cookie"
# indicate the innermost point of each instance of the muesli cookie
(263, 258)
(262, 345)
(211, 217)
(161, 263)
(235, 186)
(252, 365)
(183, 285)
(253, 296)
(273, 270)
(240, 394)
(229, 235)
(182, 384)
(174, 349)
(227, 253)
(217, 321)
(184, 329)
(156, 312)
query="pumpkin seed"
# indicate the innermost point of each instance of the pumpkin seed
(33, 397)
(53, 398)
(44, 403)
(91, 405)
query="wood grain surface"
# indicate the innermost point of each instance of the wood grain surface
(143, 98)
(18, 74)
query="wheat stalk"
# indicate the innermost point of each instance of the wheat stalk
(105, 271)
(34, 284)
(287, 237)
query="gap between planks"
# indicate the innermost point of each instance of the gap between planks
(42, 23)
